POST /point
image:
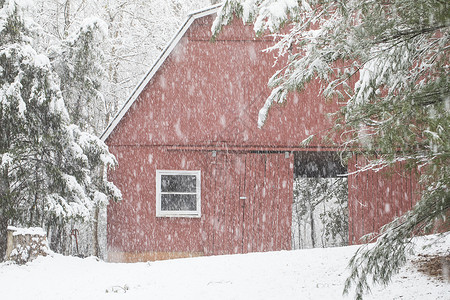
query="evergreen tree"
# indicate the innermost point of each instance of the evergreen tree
(78, 62)
(48, 167)
(389, 60)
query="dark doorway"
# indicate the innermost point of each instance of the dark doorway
(323, 164)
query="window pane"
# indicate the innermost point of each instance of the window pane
(176, 202)
(178, 183)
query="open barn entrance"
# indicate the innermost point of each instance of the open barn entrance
(320, 202)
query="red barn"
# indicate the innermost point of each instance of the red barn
(197, 175)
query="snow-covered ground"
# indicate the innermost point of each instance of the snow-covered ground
(299, 274)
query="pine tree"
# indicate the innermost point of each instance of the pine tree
(78, 62)
(48, 167)
(389, 60)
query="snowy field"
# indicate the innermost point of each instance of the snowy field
(299, 274)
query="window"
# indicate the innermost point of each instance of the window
(178, 193)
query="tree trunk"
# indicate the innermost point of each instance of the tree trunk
(5, 210)
(299, 227)
(95, 231)
(66, 17)
(311, 216)
(3, 235)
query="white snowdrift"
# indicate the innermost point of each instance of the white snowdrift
(300, 274)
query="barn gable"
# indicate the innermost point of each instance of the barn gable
(212, 102)
(149, 75)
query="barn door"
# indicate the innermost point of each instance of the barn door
(266, 220)
(241, 178)
(227, 184)
(252, 202)
(235, 172)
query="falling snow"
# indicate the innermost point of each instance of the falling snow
(308, 274)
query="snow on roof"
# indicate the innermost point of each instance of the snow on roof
(166, 52)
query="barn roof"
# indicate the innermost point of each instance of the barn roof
(158, 63)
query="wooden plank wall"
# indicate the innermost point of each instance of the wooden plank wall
(261, 221)
(376, 198)
(228, 224)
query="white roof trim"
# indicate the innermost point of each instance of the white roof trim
(166, 52)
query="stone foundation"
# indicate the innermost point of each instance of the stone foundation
(131, 257)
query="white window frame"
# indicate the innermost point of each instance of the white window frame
(178, 213)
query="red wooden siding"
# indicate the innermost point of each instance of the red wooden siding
(376, 198)
(207, 93)
(204, 97)
(229, 224)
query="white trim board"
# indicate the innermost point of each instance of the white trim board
(161, 59)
